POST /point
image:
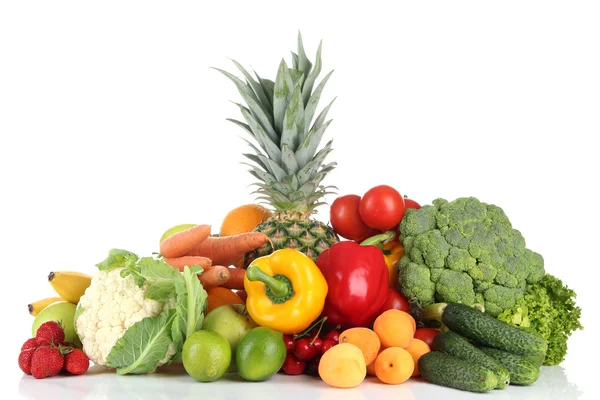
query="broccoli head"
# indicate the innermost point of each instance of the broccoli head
(465, 251)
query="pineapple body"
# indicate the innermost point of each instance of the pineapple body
(308, 236)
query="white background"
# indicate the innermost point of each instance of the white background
(113, 127)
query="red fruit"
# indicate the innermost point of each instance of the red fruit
(76, 362)
(317, 342)
(327, 344)
(409, 203)
(289, 343)
(46, 361)
(25, 360)
(333, 335)
(293, 366)
(30, 344)
(304, 350)
(50, 333)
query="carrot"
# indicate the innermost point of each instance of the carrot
(180, 243)
(226, 250)
(219, 296)
(180, 262)
(236, 279)
(214, 276)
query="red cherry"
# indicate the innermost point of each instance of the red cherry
(304, 350)
(327, 344)
(333, 335)
(293, 366)
(289, 343)
(317, 342)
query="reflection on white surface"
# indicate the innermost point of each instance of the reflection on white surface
(173, 383)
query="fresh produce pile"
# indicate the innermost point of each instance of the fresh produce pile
(391, 289)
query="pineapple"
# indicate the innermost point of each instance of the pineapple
(279, 117)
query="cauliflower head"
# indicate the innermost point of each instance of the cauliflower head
(137, 312)
(109, 307)
(465, 251)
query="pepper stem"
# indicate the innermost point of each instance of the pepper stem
(379, 240)
(277, 287)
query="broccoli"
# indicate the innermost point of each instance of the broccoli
(465, 251)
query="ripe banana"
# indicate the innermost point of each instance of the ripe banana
(37, 306)
(69, 285)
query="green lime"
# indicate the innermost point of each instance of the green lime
(206, 356)
(175, 229)
(260, 354)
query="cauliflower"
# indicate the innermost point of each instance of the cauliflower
(137, 312)
(465, 251)
(110, 306)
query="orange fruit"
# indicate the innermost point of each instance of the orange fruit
(395, 328)
(394, 365)
(416, 349)
(363, 338)
(243, 219)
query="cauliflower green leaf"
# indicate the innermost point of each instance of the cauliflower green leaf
(143, 346)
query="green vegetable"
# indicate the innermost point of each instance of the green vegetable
(465, 251)
(455, 345)
(548, 309)
(144, 345)
(450, 371)
(486, 330)
(522, 371)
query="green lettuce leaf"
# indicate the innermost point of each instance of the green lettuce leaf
(143, 346)
(548, 308)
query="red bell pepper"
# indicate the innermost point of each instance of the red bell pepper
(357, 278)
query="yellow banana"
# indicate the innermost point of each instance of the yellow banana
(39, 305)
(69, 285)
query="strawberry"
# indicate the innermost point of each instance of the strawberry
(50, 332)
(46, 361)
(25, 360)
(76, 362)
(30, 344)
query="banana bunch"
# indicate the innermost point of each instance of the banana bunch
(69, 286)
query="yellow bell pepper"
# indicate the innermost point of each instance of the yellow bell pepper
(286, 291)
(393, 252)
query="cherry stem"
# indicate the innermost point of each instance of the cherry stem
(320, 321)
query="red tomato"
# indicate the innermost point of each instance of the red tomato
(345, 218)
(426, 335)
(382, 207)
(409, 203)
(395, 300)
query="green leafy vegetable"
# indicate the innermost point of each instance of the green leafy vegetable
(143, 346)
(117, 258)
(549, 309)
(191, 304)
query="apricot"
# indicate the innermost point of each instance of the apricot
(416, 349)
(394, 365)
(343, 366)
(365, 339)
(371, 367)
(395, 328)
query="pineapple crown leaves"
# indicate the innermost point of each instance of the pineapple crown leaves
(279, 115)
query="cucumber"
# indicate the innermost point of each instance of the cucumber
(455, 345)
(522, 370)
(488, 331)
(450, 371)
